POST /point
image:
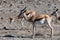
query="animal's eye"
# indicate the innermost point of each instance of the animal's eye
(27, 14)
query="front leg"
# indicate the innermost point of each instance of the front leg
(33, 30)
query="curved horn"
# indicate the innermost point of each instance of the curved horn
(21, 12)
(23, 9)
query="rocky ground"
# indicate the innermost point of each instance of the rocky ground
(21, 29)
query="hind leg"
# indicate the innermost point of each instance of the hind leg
(49, 24)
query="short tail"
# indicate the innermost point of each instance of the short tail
(54, 12)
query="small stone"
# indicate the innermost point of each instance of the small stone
(4, 1)
(49, 5)
(10, 5)
(2, 18)
(21, 2)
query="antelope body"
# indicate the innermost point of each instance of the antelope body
(31, 16)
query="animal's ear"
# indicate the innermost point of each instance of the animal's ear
(32, 11)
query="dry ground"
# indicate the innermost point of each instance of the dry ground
(21, 29)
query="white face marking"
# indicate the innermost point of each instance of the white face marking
(29, 15)
(13, 20)
(42, 21)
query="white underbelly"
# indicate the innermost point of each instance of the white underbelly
(42, 21)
